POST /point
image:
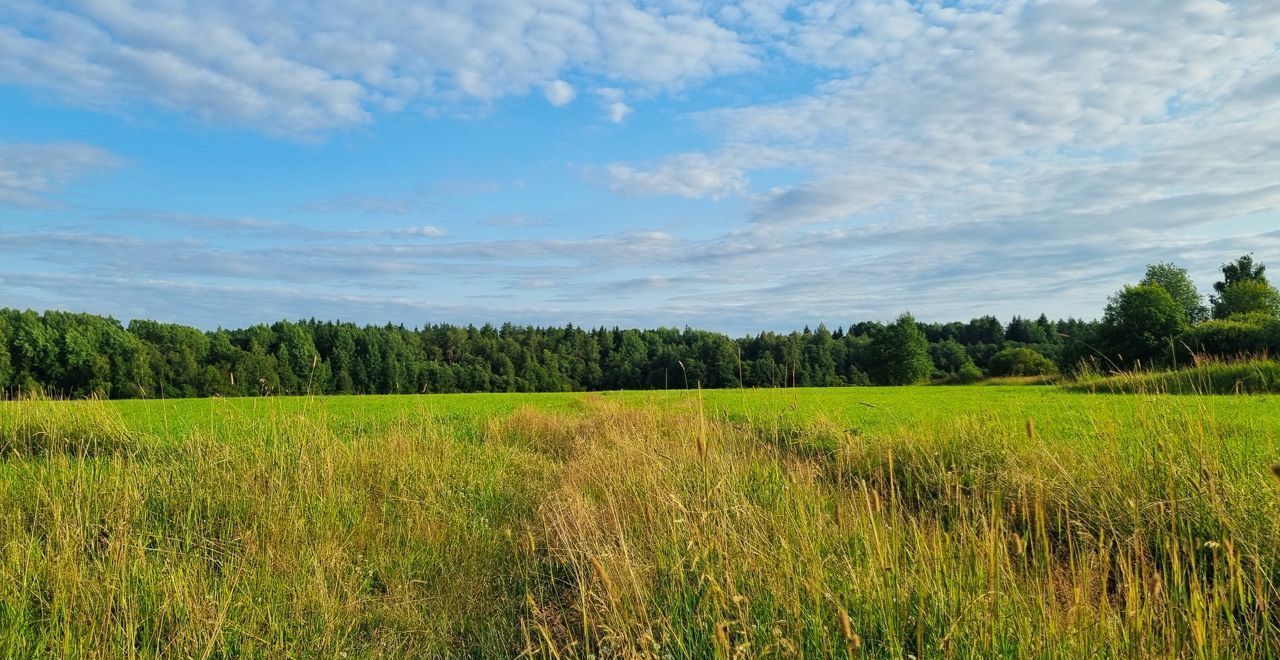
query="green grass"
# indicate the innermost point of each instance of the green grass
(1250, 376)
(881, 522)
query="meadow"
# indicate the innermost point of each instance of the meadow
(838, 522)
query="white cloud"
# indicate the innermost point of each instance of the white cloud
(618, 112)
(1005, 157)
(558, 92)
(614, 107)
(638, 278)
(686, 175)
(425, 231)
(300, 69)
(1005, 112)
(32, 174)
(263, 228)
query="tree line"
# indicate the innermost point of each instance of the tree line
(1156, 322)
(1163, 320)
(72, 354)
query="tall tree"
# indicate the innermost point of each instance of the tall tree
(1247, 298)
(35, 359)
(822, 364)
(900, 354)
(983, 330)
(1140, 325)
(1244, 289)
(1178, 284)
(629, 360)
(1243, 268)
(1025, 331)
(175, 354)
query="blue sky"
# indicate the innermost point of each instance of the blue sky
(733, 166)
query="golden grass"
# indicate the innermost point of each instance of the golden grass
(978, 538)
(287, 540)
(629, 531)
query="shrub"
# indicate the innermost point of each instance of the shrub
(1021, 362)
(968, 374)
(1250, 334)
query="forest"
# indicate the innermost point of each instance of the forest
(1162, 321)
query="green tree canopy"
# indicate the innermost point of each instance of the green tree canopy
(983, 330)
(1178, 284)
(1250, 298)
(949, 356)
(1253, 297)
(1243, 268)
(1025, 331)
(900, 354)
(1140, 324)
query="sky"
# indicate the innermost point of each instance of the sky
(730, 166)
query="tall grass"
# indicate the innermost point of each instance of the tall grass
(37, 427)
(1253, 375)
(285, 540)
(621, 530)
(981, 537)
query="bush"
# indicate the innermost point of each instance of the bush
(1021, 362)
(1238, 335)
(968, 374)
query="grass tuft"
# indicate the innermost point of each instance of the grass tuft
(36, 427)
(1207, 376)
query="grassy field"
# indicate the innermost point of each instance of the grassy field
(877, 522)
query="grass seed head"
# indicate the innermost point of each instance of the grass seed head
(846, 626)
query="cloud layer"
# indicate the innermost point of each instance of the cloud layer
(299, 68)
(857, 158)
(29, 173)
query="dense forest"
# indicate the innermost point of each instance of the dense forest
(1157, 322)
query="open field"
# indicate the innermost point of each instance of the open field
(881, 522)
